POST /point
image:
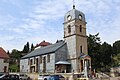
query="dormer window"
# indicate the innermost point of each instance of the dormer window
(69, 29)
(80, 17)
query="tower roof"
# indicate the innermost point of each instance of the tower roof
(74, 14)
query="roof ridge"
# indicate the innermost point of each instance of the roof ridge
(44, 50)
(48, 46)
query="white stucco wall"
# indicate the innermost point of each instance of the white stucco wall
(24, 67)
(2, 64)
(49, 66)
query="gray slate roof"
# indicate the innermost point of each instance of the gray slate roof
(75, 15)
(83, 55)
(44, 50)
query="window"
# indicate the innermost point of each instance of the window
(28, 61)
(80, 28)
(37, 61)
(80, 49)
(69, 17)
(5, 68)
(40, 59)
(34, 60)
(6, 60)
(80, 17)
(31, 61)
(48, 58)
(69, 29)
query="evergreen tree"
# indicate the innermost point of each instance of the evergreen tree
(8, 52)
(32, 47)
(26, 48)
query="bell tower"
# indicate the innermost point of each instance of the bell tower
(75, 37)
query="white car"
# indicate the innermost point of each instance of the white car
(2, 75)
(43, 77)
(23, 76)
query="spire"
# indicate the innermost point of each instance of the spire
(73, 4)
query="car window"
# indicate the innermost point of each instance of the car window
(21, 75)
(14, 76)
(1, 74)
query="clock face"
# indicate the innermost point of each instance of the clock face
(80, 17)
(69, 17)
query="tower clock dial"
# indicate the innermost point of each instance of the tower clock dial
(80, 17)
(69, 17)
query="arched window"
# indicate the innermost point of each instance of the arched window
(69, 29)
(80, 28)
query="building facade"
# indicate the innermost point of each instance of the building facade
(43, 59)
(65, 56)
(75, 36)
(4, 60)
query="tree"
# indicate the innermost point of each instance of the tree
(116, 55)
(116, 47)
(32, 47)
(94, 50)
(26, 48)
(14, 68)
(8, 52)
(15, 56)
(105, 57)
(101, 54)
(116, 60)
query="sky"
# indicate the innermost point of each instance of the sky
(33, 21)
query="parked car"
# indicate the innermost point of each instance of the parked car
(51, 77)
(9, 77)
(83, 79)
(43, 77)
(2, 75)
(56, 77)
(23, 76)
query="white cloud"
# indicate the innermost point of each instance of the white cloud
(44, 20)
(6, 20)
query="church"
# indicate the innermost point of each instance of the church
(64, 56)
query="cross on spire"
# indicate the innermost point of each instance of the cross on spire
(73, 4)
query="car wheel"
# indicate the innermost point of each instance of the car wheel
(45, 79)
